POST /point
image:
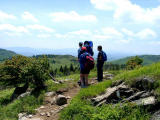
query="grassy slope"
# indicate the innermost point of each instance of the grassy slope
(81, 109)
(152, 71)
(5, 54)
(148, 59)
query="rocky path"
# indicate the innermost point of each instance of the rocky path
(50, 110)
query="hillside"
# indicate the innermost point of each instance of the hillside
(5, 54)
(60, 60)
(148, 59)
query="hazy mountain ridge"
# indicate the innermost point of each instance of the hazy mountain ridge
(26, 51)
(5, 54)
(147, 59)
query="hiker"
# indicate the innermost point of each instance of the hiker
(86, 64)
(89, 46)
(102, 57)
(79, 50)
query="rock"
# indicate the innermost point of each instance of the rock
(48, 114)
(42, 107)
(24, 95)
(53, 101)
(42, 114)
(22, 116)
(107, 76)
(144, 84)
(156, 115)
(30, 116)
(68, 97)
(135, 96)
(50, 94)
(109, 94)
(61, 100)
(146, 101)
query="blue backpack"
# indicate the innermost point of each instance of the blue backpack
(104, 56)
(89, 46)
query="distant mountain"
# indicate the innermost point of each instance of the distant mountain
(5, 54)
(26, 51)
(147, 59)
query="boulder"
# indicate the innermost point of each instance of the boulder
(148, 101)
(50, 94)
(110, 94)
(144, 84)
(61, 100)
(24, 95)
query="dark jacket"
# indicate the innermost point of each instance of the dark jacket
(100, 57)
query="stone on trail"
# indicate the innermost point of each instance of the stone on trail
(48, 114)
(61, 100)
(50, 94)
(42, 114)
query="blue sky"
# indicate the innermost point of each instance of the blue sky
(117, 25)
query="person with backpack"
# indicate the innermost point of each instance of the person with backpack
(79, 50)
(86, 64)
(89, 46)
(102, 57)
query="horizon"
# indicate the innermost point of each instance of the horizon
(125, 26)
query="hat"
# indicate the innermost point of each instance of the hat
(84, 49)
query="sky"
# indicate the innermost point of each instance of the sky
(128, 26)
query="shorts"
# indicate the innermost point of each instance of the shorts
(84, 71)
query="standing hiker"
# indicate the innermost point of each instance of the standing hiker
(79, 50)
(102, 57)
(86, 64)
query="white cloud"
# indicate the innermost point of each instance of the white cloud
(44, 35)
(112, 32)
(125, 10)
(29, 16)
(128, 32)
(72, 16)
(40, 28)
(12, 28)
(81, 32)
(143, 34)
(146, 33)
(5, 16)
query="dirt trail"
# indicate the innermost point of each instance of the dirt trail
(51, 112)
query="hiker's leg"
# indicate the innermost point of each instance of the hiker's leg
(100, 72)
(86, 79)
(81, 79)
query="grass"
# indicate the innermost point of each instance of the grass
(10, 110)
(26, 104)
(152, 71)
(81, 108)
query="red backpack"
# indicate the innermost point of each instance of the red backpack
(89, 65)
